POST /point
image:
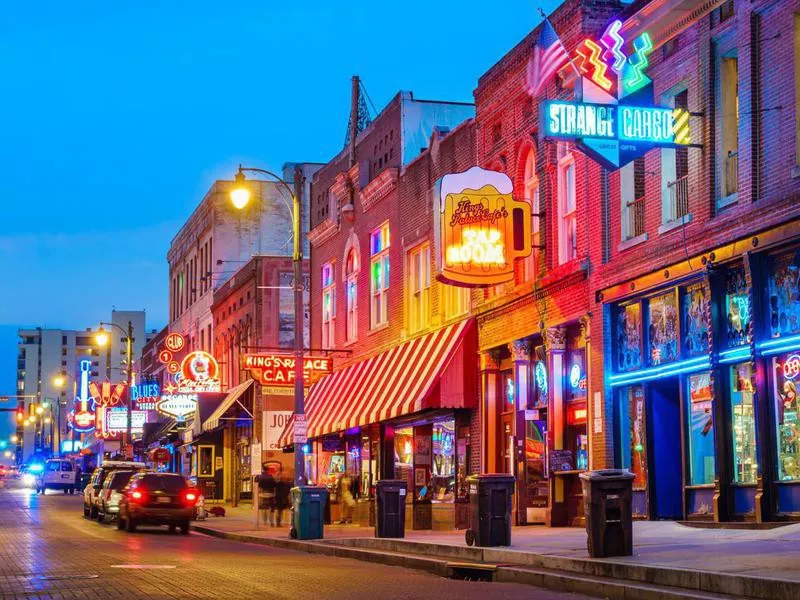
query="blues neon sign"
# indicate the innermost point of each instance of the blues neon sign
(615, 120)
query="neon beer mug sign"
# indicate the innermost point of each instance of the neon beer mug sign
(480, 230)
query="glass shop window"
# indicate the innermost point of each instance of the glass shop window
(632, 435)
(695, 324)
(784, 295)
(745, 462)
(443, 476)
(540, 383)
(701, 430)
(787, 375)
(629, 337)
(509, 391)
(737, 308)
(663, 328)
(404, 457)
(577, 438)
(369, 465)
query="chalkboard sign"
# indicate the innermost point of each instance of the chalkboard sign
(561, 460)
(332, 443)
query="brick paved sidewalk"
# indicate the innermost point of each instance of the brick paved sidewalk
(773, 553)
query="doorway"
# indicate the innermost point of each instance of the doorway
(664, 446)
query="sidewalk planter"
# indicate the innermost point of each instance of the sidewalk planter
(391, 518)
(308, 510)
(490, 498)
(607, 505)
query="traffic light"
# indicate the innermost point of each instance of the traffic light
(20, 414)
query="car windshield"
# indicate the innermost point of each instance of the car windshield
(54, 466)
(164, 482)
(120, 479)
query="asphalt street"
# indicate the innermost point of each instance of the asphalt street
(48, 550)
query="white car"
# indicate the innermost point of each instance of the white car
(91, 493)
(58, 474)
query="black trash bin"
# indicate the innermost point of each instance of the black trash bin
(390, 520)
(607, 505)
(490, 498)
(308, 509)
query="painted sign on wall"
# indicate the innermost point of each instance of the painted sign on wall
(480, 229)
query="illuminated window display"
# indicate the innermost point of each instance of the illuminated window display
(787, 375)
(745, 463)
(784, 295)
(737, 308)
(695, 325)
(404, 457)
(633, 445)
(663, 328)
(700, 438)
(629, 337)
(444, 460)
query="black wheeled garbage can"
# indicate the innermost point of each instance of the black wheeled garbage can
(390, 520)
(490, 498)
(607, 504)
(308, 509)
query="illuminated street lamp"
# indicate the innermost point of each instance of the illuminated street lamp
(59, 381)
(13, 439)
(240, 197)
(102, 339)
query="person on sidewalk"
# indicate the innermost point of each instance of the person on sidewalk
(266, 486)
(283, 490)
(348, 502)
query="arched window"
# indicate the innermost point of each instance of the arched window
(530, 185)
(351, 267)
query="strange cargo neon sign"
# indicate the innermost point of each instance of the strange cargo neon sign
(616, 120)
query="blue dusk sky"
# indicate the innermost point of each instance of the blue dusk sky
(116, 117)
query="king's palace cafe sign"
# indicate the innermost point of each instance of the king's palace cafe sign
(614, 118)
(277, 370)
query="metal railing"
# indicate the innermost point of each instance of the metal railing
(636, 218)
(731, 173)
(679, 197)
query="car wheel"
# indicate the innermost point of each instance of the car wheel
(120, 523)
(66, 491)
(93, 512)
(71, 491)
(185, 528)
(130, 525)
(85, 511)
(101, 517)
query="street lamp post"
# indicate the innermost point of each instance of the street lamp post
(102, 339)
(240, 196)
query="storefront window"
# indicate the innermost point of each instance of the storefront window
(369, 467)
(737, 308)
(701, 430)
(745, 463)
(629, 337)
(784, 295)
(353, 464)
(577, 438)
(404, 456)
(695, 332)
(787, 374)
(540, 384)
(663, 328)
(444, 461)
(509, 391)
(633, 446)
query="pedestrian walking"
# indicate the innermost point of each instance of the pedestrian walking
(266, 486)
(348, 502)
(283, 491)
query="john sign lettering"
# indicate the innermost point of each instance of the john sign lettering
(277, 370)
(616, 120)
(480, 230)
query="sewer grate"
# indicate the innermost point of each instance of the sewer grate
(471, 571)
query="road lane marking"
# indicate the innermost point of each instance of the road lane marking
(143, 566)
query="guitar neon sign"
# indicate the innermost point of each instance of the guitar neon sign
(616, 120)
(82, 418)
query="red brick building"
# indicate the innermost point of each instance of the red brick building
(400, 402)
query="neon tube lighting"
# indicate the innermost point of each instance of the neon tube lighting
(684, 366)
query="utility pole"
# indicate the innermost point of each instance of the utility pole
(299, 328)
(129, 371)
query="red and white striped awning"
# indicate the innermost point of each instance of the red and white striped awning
(397, 382)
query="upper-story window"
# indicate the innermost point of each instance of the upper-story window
(328, 305)
(456, 300)
(675, 169)
(419, 285)
(379, 276)
(797, 88)
(531, 190)
(351, 268)
(728, 126)
(631, 187)
(567, 217)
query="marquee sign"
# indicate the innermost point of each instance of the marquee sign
(278, 369)
(617, 120)
(199, 373)
(178, 406)
(480, 229)
(116, 421)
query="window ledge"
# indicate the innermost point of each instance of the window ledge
(349, 343)
(727, 201)
(675, 223)
(378, 328)
(795, 171)
(634, 241)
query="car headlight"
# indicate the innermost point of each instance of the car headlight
(28, 479)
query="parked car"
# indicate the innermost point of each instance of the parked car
(58, 474)
(157, 499)
(111, 493)
(92, 489)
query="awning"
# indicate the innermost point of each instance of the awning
(400, 381)
(232, 398)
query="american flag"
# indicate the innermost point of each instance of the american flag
(547, 58)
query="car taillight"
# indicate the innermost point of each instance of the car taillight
(190, 497)
(137, 496)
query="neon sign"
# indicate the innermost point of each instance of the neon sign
(616, 121)
(178, 406)
(540, 373)
(145, 395)
(199, 373)
(791, 368)
(278, 369)
(174, 342)
(82, 418)
(480, 229)
(116, 420)
(575, 375)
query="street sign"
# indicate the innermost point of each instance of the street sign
(300, 429)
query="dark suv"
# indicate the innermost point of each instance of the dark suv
(157, 499)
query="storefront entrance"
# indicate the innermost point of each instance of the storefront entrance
(665, 472)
